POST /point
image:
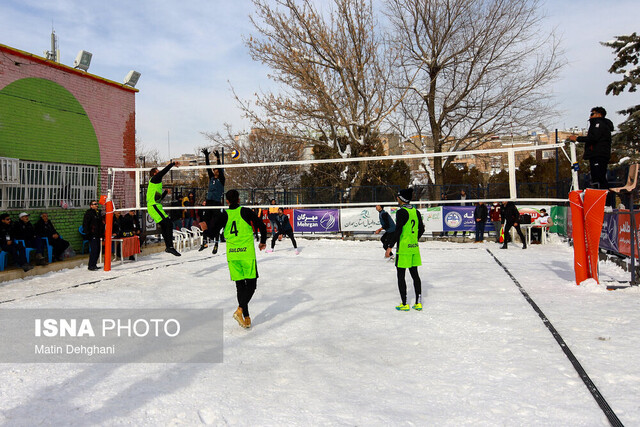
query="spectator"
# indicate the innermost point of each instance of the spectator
(386, 224)
(284, 228)
(463, 198)
(130, 226)
(24, 230)
(480, 218)
(597, 146)
(9, 245)
(190, 213)
(93, 230)
(511, 217)
(495, 213)
(45, 228)
(273, 213)
(116, 225)
(545, 221)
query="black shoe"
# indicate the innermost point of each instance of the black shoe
(132, 258)
(173, 251)
(203, 247)
(503, 247)
(27, 267)
(524, 246)
(94, 268)
(215, 248)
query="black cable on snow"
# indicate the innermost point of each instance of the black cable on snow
(611, 416)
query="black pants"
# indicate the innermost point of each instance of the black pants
(17, 252)
(94, 251)
(289, 234)
(59, 245)
(244, 291)
(211, 216)
(166, 228)
(385, 240)
(598, 172)
(507, 228)
(402, 284)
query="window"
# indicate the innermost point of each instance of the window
(44, 185)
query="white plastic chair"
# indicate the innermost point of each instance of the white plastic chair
(197, 235)
(178, 240)
(189, 236)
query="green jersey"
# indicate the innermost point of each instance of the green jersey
(239, 236)
(153, 207)
(408, 243)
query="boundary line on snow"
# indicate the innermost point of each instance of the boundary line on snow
(91, 282)
(611, 416)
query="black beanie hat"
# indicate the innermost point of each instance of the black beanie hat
(405, 195)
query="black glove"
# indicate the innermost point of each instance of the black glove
(205, 152)
(217, 154)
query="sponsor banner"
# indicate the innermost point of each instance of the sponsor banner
(624, 233)
(432, 218)
(559, 217)
(316, 220)
(458, 218)
(361, 219)
(111, 335)
(265, 218)
(609, 233)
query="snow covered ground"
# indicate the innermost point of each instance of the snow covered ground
(327, 346)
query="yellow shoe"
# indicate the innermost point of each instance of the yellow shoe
(402, 307)
(417, 306)
(238, 316)
(247, 322)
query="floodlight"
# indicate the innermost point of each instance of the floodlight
(83, 60)
(132, 78)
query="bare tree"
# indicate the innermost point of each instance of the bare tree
(334, 72)
(473, 68)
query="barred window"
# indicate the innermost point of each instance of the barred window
(45, 185)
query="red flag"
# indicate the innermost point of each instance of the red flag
(594, 202)
(580, 264)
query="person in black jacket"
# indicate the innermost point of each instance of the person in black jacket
(511, 217)
(597, 146)
(480, 217)
(215, 193)
(24, 230)
(45, 228)
(93, 228)
(284, 228)
(9, 245)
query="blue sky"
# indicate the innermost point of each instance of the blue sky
(189, 51)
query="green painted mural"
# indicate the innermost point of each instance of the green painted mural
(42, 121)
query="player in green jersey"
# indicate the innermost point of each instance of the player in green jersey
(154, 206)
(241, 252)
(409, 228)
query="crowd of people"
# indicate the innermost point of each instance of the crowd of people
(21, 238)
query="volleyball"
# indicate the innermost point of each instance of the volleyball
(235, 154)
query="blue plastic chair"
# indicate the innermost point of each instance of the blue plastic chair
(27, 251)
(85, 241)
(49, 248)
(3, 260)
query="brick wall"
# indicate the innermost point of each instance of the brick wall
(53, 113)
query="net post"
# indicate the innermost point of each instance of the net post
(107, 233)
(513, 190)
(574, 166)
(137, 184)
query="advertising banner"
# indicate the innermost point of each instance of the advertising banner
(432, 218)
(265, 218)
(609, 234)
(458, 218)
(624, 233)
(361, 219)
(558, 216)
(316, 220)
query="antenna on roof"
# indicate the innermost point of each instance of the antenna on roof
(54, 53)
